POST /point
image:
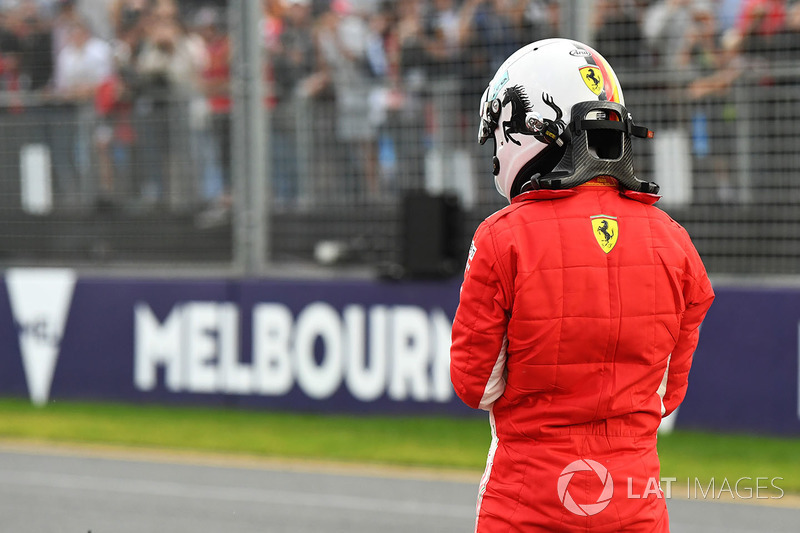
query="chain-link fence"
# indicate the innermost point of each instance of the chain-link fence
(122, 142)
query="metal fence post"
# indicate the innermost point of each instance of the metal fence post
(250, 139)
(575, 23)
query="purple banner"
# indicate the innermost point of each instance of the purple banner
(334, 346)
(745, 375)
(349, 346)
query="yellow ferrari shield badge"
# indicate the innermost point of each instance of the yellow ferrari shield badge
(606, 231)
(593, 78)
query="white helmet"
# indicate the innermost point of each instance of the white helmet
(528, 108)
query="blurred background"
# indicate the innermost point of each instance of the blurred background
(267, 205)
(226, 186)
(300, 135)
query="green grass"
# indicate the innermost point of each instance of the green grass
(688, 455)
(434, 441)
(439, 442)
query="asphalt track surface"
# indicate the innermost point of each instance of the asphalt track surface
(56, 490)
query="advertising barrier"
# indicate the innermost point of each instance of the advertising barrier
(345, 346)
(334, 346)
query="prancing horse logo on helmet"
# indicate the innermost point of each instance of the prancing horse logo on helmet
(593, 78)
(606, 231)
(525, 122)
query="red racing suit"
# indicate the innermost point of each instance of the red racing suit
(578, 317)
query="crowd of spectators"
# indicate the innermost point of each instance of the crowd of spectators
(361, 91)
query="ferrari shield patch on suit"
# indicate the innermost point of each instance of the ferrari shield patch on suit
(606, 231)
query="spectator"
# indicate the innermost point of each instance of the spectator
(167, 58)
(81, 66)
(273, 22)
(491, 30)
(168, 67)
(545, 15)
(757, 41)
(215, 138)
(293, 62)
(10, 72)
(115, 138)
(712, 111)
(788, 40)
(36, 47)
(700, 50)
(384, 97)
(67, 14)
(617, 32)
(664, 28)
(293, 54)
(165, 10)
(726, 12)
(344, 39)
(703, 52)
(496, 28)
(445, 36)
(126, 14)
(758, 23)
(410, 59)
(412, 55)
(115, 135)
(84, 62)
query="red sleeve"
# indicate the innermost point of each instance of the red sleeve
(698, 296)
(478, 349)
(106, 96)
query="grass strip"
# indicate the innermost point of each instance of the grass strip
(414, 441)
(441, 442)
(699, 460)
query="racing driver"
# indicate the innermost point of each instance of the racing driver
(580, 307)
